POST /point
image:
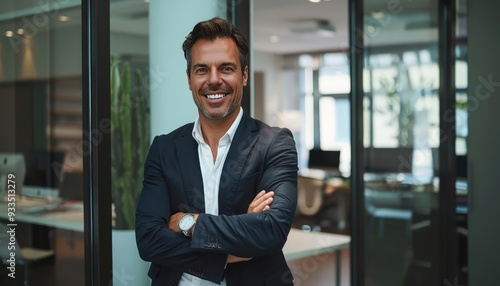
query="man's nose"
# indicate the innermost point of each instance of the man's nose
(214, 77)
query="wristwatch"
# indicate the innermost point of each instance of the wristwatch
(186, 223)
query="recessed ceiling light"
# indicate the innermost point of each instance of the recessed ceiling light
(20, 31)
(63, 18)
(314, 1)
(9, 34)
(146, 1)
(274, 39)
(378, 15)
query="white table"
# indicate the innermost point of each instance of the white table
(67, 219)
(311, 249)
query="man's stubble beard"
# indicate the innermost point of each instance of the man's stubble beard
(229, 110)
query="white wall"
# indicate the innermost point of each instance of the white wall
(171, 100)
(274, 97)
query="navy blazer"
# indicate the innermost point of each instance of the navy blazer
(260, 158)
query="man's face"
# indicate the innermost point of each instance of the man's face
(216, 78)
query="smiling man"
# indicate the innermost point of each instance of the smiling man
(219, 195)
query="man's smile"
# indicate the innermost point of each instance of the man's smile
(216, 95)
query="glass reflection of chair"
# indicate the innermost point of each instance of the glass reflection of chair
(382, 205)
(23, 256)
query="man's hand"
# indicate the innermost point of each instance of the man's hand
(234, 259)
(261, 202)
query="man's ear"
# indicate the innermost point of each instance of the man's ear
(189, 78)
(245, 75)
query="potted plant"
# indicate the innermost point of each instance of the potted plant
(130, 132)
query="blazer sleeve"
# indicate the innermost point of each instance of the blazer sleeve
(155, 241)
(264, 233)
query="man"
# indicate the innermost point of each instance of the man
(203, 217)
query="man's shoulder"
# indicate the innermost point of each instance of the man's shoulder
(179, 132)
(261, 126)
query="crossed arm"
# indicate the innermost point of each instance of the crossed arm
(260, 203)
(260, 232)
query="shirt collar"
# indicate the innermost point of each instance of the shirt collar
(198, 135)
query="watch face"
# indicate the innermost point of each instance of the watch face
(186, 222)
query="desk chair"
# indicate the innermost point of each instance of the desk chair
(322, 208)
(24, 256)
(310, 195)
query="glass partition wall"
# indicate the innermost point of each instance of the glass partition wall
(41, 145)
(407, 228)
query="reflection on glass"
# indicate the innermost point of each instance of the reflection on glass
(401, 117)
(41, 123)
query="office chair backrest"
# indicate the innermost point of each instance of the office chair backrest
(310, 195)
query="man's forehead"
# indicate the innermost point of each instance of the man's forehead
(221, 50)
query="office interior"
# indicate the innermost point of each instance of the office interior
(398, 228)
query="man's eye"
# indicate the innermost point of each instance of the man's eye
(201, 70)
(227, 69)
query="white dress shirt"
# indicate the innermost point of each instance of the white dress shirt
(211, 172)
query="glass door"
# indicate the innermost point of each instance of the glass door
(403, 180)
(41, 145)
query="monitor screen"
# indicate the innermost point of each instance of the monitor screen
(325, 160)
(71, 187)
(12, 163)
(389, 160)
(43, 168)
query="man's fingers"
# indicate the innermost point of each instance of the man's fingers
(261, 201)
(263, 204)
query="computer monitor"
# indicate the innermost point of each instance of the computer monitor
(43, 168)
(71, 187)
(388, 160)
(327, 160)
(12, 164)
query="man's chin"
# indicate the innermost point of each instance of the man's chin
(217, 115)
(214, 115)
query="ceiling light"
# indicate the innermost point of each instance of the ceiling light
(9, 34)
(314, 1)
(20, 31)
(317, 27)
(378, 15)
(274, 39)
(146, 1)
(63, 18)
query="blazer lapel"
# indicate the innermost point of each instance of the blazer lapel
(243, 141)
(189, 164)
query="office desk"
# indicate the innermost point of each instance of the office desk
(311, 254)
(69, 219)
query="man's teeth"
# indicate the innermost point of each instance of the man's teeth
(215, 96)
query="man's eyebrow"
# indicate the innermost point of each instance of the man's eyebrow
(200, 65)
(224, 64)
(228, 64)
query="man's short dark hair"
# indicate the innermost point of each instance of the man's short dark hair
(211, 30)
